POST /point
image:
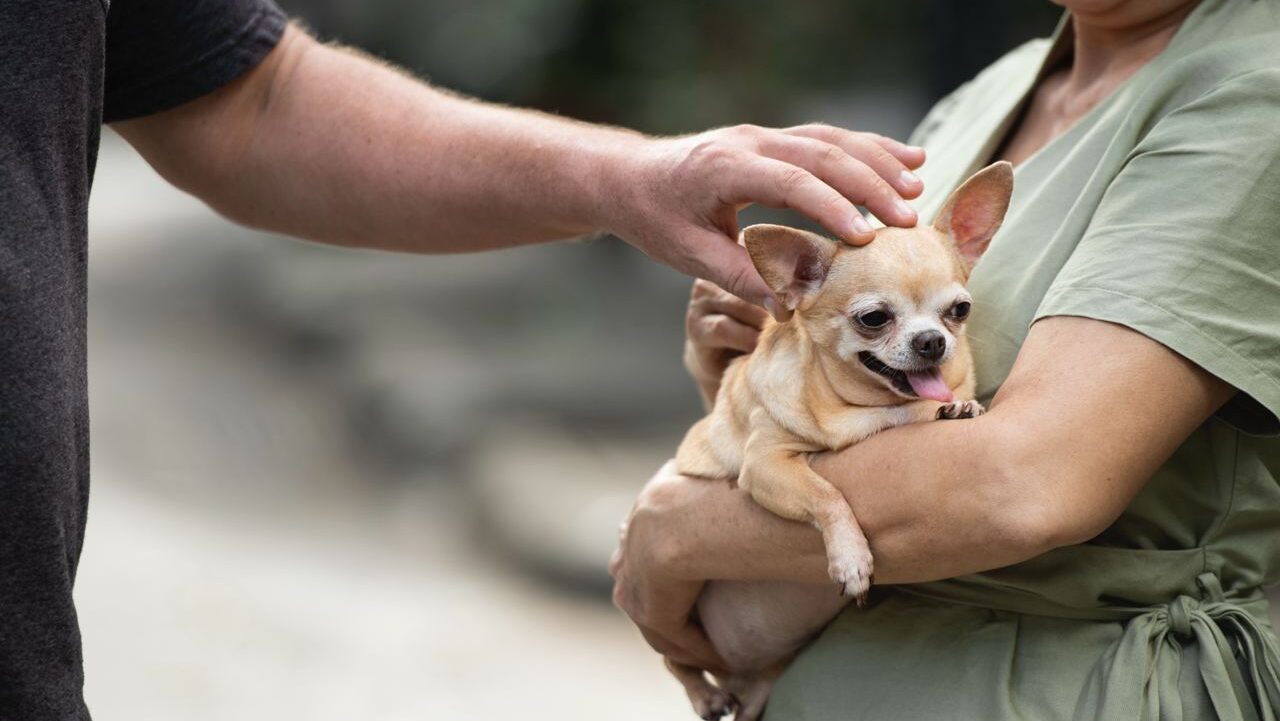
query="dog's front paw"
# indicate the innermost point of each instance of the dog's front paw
(960, 409)
(852, 569)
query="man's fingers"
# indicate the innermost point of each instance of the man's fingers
(851, 177)
(725, 263)
(911, 156)
(857, 148)
(780, 184)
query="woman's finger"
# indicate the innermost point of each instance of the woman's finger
(720, 302)
(663, 617)
(687, 645)
(721, 331)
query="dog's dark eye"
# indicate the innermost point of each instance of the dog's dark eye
(874, 319)
(960, 310)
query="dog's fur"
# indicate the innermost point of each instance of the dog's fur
(831, 376)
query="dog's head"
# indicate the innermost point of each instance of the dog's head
(894, 310)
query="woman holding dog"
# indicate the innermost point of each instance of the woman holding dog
(1096, 545)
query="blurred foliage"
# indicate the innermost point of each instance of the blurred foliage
(677, 65)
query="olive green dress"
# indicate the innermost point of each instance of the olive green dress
(1160, 210)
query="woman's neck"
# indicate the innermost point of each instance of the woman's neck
(1113, 43)
(1110, 45)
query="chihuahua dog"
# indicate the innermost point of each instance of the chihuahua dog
(876, 340)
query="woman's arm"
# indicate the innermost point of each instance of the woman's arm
(1089, 411)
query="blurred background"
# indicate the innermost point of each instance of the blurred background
(332, 484)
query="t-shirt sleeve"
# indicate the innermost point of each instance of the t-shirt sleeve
(162, 53)
(1185, 244)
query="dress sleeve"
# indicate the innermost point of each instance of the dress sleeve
(1185, 244)
(937, 115)
(162, 53)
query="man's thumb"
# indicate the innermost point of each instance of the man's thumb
(733, 270)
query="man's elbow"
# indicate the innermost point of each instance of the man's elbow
(210, 146)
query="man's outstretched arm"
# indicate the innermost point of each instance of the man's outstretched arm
(324, 143)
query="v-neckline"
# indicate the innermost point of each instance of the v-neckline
(1060, 47)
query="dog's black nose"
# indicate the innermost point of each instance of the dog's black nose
(930, 345)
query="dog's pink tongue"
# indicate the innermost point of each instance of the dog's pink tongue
(929, 384)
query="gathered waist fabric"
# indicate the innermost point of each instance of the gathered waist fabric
(1237, 656)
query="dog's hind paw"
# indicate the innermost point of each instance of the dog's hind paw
(715, 704)
(960, 409)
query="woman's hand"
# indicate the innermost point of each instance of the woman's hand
(719, 327)
(649, 585)
(677, 199)
(684, 531)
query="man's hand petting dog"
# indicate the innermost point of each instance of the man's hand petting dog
(677, 199)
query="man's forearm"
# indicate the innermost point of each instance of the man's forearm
(326, 144)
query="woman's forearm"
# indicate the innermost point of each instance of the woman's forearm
(700, 529)
(944, 499)
(1059, 456)
(927, 517)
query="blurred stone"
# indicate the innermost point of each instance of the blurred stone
(427, 348)
(554, 497)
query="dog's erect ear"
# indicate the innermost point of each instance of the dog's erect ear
(973, 213)
(793, 262)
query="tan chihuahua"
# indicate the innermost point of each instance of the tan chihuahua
(876, 340)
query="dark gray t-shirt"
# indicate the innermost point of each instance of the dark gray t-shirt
(65, 68)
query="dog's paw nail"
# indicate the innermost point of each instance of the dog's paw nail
(960, 409)
(852, 574)
(716, 705)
